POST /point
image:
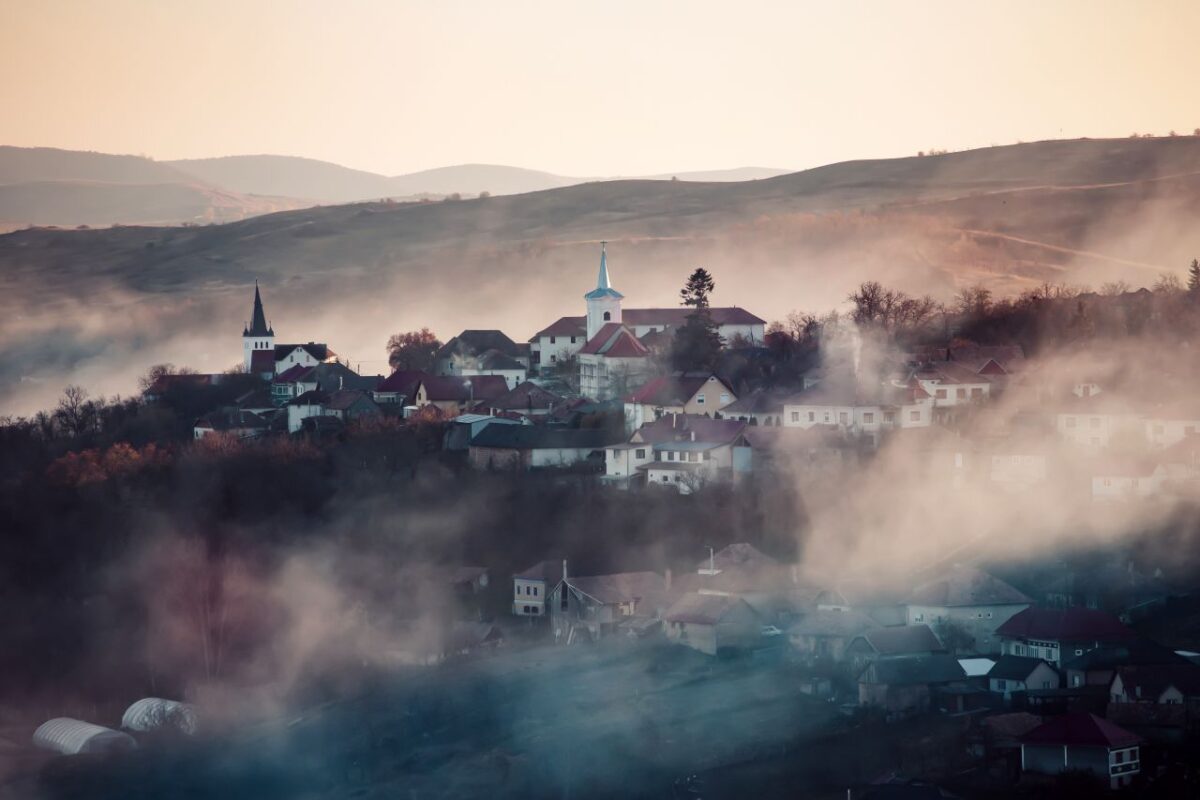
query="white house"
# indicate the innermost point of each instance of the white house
(970, 599)
(1091, 423)
(1127, 479)
(1166, 428)
(1019, 674)
(532, 586)
(869, 410)
(681, 393)
(953, 384)
(683, 451)
(713, 623)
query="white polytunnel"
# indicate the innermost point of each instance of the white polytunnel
(155, 713)
(71, 736)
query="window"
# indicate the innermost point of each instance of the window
(535, 591)
(700, 399)
(1078, 652)
(707, 456)
(572, 340)
(693, 457)
(724, 398)
(607, 316)
(961, 394)
(665, 479)
(976, 392)
(670, 455)
(796, 416)
(827, 416)
(1000, 684)
(889, 417)
(842, 418)
(553, 358)
(1069, 422)
(868, 418)
(914, 416)
(640, 452)
(535, 610)
(552, 339)
(812, 416)
(1119, 757)
(941, 394)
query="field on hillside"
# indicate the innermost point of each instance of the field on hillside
(97, 307)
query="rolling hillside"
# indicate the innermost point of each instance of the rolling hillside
(98, 306)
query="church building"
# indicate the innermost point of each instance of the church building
(611, 344)
(264, 358)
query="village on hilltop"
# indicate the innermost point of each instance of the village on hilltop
(1048, 677)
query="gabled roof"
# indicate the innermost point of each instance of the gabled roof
(262, 361)
(343, 399)
(903, 640)
(703, 609)
(540, 437)
(966, 586)
(333, 376)
(476, 342)
(550, 571)
(1008, 357)
(1071, 625)
(1080, 729)
(614, 340)
(677, 316)
(1014, 668)
(621, 587)
(689, 427)
(950, 372)
(525, 397)
(675, 390)
(913, 670)
(292, 374)
(564, 326)
(402, 381)
(318, 351)
(495, 359)
(455, 388)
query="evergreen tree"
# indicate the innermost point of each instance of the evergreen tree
(1194, 277)
(697, 345)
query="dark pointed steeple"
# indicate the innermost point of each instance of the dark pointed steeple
(258, 322)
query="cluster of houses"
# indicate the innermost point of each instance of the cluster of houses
(1052, 689)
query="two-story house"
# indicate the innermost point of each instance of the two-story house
(1059, 634)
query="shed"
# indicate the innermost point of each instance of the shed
(73, 736)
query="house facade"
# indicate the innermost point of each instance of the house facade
(713, 623)
(1058, 635)
(970, 600)
(1082, 742)
(682, 393)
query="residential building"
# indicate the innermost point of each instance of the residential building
(905, 685)
(309, 354)
(684, 452)
(231, 422)
(890, 642)
(1097, 667)
(463, 428)
(351, 404)
(1167, 426)
(456, 395)
(1082, 742)
(713, 623)
(969, 599)
(612, 362)
(699, 393)
(952, 384)
(524, 447)
(1020, 673)
(526, 400)
(593, 606)
(1057, 635)
(532, 585)
(469, 352)
(399, 388)
(860, 410)
(1116, 478)
(761, 407)
(1091, 423)
(825, 633)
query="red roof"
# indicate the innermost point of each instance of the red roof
(1071, 625)
(614, 340)
(690, 427)
(564, 326)
(291, 374)
(262, 361)
(677, 316)
(672, 390)
(1081, 729)
(402, 381)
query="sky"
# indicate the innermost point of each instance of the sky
(589, 89)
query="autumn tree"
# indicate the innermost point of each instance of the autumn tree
(697, 344)
(414, 350)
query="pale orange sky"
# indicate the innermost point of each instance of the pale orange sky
(589, 89)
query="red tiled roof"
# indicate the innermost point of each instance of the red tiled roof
(564, 326)
(291, 374)
(262, 361)
(614, 340)
(677, 316)
(672, 390)
(680, 427)
(1071, 624)
(1081, 729)
(966, 586)
(402, 381)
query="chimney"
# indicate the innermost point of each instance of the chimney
(564, 569)
(667, 578)
(693, 435)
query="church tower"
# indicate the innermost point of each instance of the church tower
(603, 302)
(257, 335)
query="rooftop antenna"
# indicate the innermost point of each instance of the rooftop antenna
(712, 564)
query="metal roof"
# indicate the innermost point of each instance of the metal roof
(72, 736)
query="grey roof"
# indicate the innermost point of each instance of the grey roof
(333, 376)
(913, 670)
(536, 437)
(477, 342)
(495, 359)
(72, 736)
(966, 586)
(346, 398)
(621, 587)
(702, 609)
(1014, 668)
(903, 640)
(550, 571)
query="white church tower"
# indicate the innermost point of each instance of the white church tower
(257, 335)
(603, 302)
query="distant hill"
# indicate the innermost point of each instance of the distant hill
(47, 186)
(322, 181)
(98, 306)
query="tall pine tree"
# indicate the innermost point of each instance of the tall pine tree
(1194, 278)
(697, 345)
